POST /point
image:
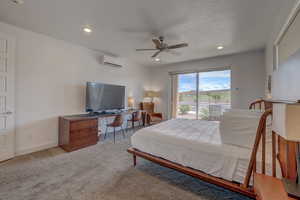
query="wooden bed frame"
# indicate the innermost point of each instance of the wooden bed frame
(284, 153)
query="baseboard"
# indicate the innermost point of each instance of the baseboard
(36, 148)
(5, 158)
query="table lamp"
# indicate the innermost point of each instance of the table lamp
(286, 123)
(130, 102)
(151, 94)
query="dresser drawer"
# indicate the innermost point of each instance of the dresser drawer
(83, 133)
(78, 125)
(84, 142)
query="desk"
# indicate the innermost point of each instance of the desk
(79, 131)
(106, 115)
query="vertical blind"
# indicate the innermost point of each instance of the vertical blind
(174, 95)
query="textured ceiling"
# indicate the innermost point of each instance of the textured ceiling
(121, 26)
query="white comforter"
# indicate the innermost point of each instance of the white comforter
(196, 144)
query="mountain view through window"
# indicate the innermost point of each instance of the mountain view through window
(209, 99)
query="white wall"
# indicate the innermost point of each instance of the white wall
(285, 82)
(50, 81)
(248, 74)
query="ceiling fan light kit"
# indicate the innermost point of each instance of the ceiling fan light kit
(17, 2)
(87, 29)
(161, 46)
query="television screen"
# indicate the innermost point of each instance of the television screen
(101, 97)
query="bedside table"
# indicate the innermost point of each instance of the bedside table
(269, 188)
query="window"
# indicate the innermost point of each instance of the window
(187, 96)
(202, 95)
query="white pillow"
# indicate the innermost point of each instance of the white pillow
(243, 112)
(239, 129)
(258, 113)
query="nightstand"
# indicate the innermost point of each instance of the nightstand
(269, 188)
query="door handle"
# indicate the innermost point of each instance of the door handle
(6, 113)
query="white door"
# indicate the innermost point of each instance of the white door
(7, 107)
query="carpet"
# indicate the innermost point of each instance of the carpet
(103, 171)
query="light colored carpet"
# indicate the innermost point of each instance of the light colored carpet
(103, 171)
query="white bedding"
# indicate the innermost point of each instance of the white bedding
(196, 144)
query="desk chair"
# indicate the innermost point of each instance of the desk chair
(117, 123)
(136, 117)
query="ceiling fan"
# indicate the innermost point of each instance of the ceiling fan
(160, 46)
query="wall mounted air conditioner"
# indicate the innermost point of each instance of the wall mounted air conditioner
(110, 61)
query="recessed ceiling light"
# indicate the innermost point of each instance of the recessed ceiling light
(157, 59)
(220, 47)
(18, 2)
(87, 29)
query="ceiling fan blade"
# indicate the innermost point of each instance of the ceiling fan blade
(157, 43)
(146, 49)
(176, 46)
(156, 54)
(175, 53)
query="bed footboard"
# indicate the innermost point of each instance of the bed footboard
(193, 172)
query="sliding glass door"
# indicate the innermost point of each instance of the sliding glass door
(203, 95)
(187, 96)
(214, 94)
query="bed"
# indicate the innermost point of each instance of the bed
(196, 144)
(195, 148)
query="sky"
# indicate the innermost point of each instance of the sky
(215, 80)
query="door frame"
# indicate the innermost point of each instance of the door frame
(12, 65)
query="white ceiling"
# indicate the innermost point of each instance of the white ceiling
(121, 26)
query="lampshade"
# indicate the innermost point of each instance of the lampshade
(151, 94)
(130, 102)
(286, 121)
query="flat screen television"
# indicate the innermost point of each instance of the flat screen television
(102, 97)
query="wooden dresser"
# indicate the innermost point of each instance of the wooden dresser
(76, 132)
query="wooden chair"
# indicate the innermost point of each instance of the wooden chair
(151, 116)
(118, 122)
(136, 117)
